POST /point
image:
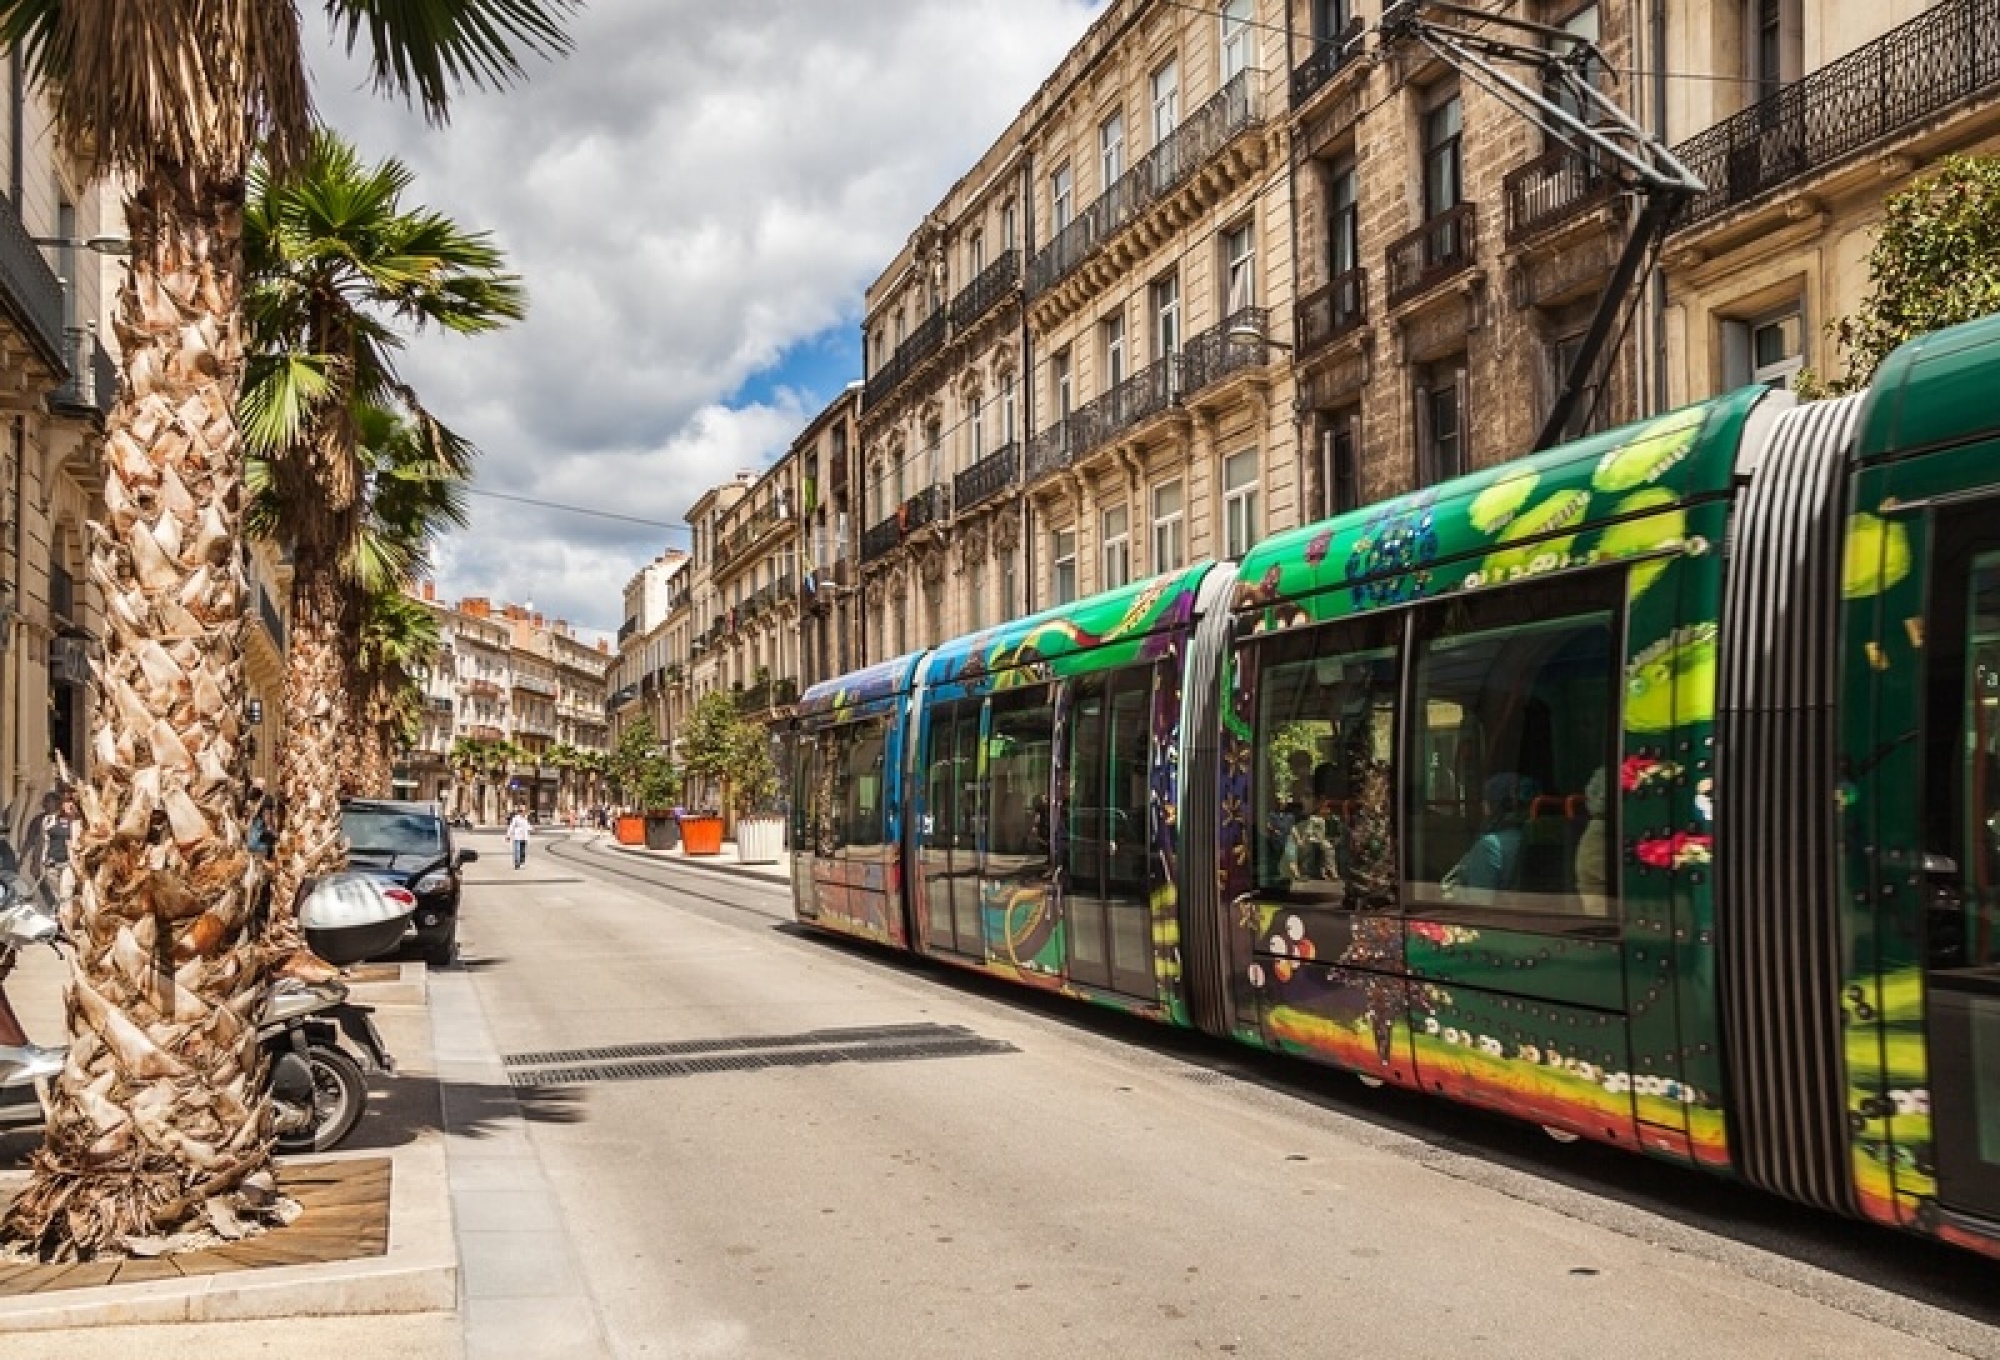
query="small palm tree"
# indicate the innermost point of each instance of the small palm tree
(337, 266)
(160, 1111)
(399, 638)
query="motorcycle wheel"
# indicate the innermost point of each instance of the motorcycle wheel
(340, 1096)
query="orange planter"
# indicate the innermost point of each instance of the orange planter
(701, 835)
(631, 830)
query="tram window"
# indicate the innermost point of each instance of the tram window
(1516, 697)
(863, 780)
(1325, 764)
(1020, 740)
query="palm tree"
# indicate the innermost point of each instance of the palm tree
(160, 1114)
(336, 264)
(399, 638)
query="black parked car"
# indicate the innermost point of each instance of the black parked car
(409, 845)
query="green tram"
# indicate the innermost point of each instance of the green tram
(1647, 789)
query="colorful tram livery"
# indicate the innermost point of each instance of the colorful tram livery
(1647, 789)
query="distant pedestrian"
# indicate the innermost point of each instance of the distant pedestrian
(519, 829)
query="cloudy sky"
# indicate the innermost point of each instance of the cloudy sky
(696, 198)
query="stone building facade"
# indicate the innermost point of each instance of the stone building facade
(829, 583)
(1834, 106)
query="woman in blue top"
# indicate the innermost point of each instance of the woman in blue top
(1494, 861)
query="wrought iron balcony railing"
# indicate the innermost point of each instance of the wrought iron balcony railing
(30, 290)
(980, 296)
(986, 478)
(1552, 188)
(1192, 145)
(881, 539)
(1140, 397)
(1217, 352)
(1434, 252)
(927, 339)
(93, 377)
(1949, 53)
(1329, 55)
(1323, 316)
(928, 506)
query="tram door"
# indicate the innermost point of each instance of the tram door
(1962, 818)
(1106, 805)
(949, 832)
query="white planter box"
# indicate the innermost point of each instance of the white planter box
(760, 839)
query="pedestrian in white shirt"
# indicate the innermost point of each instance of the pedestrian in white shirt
(519, 828)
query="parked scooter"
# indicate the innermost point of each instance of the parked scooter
(319, 1090)
(25, 1067)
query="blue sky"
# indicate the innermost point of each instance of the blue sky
(696, 197)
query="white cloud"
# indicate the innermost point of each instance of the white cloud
(698, 188)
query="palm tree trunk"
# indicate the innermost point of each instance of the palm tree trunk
(315, 713)
(161, 1109)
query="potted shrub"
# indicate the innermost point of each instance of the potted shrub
(753, 784)
(646, 779)
(659, 787)
(706, 748)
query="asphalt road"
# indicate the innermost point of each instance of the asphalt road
(807, 1149)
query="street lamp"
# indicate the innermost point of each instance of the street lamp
(1243, 333)
(103, 245)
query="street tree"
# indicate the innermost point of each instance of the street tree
(159, 1121)
(339, 270)
(1935, 263)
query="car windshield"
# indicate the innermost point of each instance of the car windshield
(385, 831)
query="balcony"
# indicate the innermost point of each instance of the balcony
(929, 506)
(93, 378)
(482, 689)
(1551, 189)
(30, 292)
(1192, 145)
(986, 478)
(881, 539)
(1426, 257)
(1329, 57)
(1322, 317)
(927, 339)
(1946, 55)
(1148, 393)
(984, 293)
(535, 684)
(755, 699)
(1225, 349)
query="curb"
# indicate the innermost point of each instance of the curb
(704, 863)
(418, 1274)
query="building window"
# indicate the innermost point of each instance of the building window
(1166, 299)
(1776, 44)
(1111, 150)
(1340, 464)
(975, 597)
(1330, 18)
(1343, 221)
(1440, 423)
(1117, 547)
(1769, 349)
(1007, 593)
(1112, 329)
(1236, 37)
(1006, 409)
(1587, 416)
(1239, 504)
(1064, 381)
(1062, 557)
(1169, 538)
(1062, 194)
(1239, 260)
(1444, 182)
(1166, 86)
(900, 328)
(933, 455)
(1007, 219)
(975, 430)
(975, 251)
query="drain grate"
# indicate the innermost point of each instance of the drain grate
(697, 1057)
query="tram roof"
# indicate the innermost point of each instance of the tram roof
(1934, 391)
(1543, 513)
(883, 680)
(1129, 615)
